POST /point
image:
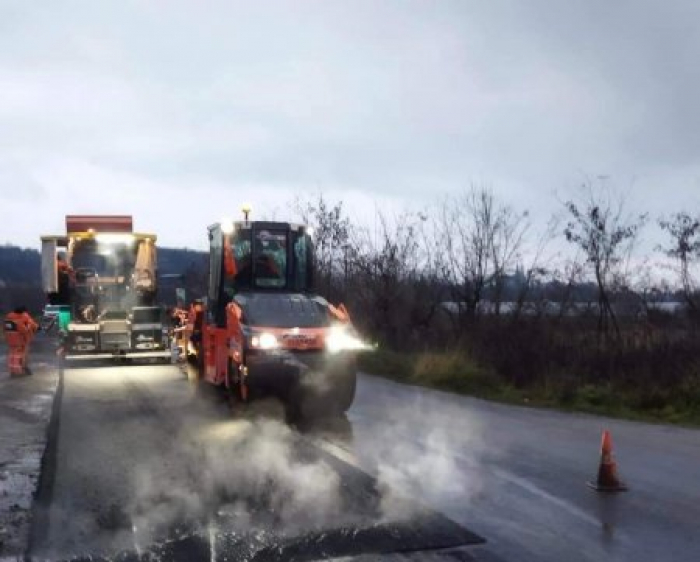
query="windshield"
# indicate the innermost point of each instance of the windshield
(105, 260)
(268, 250)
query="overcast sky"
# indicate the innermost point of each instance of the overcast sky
(178, 112)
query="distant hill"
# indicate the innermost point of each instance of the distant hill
(179, 260)
(192, 267)
(19, 266)
(20, 275)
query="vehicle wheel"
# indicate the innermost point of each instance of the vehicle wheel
(344, 394)
(307, 402)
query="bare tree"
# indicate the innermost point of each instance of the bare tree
(429, 284)
(509, 232)
(646, 288)
(466, 224)
(565, 279)
(535, 271)
(599, 227)
(386, 266)
(331, 240)
(684, 231)
(479, 240)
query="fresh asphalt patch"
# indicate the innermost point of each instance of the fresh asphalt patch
(268, 495)
(218, 539)
(220, 536)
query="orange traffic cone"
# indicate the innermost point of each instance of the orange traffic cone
(608, 480)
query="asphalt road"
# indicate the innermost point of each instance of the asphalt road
(142, 468)
(140, 461)
(518, 475)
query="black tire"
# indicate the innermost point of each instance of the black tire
(307, 403)
(345, 392)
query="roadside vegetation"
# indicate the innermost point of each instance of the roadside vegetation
(619, 384)
(471, 297)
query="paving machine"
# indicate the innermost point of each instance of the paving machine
(102, 276)
(263, 331)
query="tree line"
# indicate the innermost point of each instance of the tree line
(465, 252)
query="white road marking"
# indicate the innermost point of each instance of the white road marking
(537, 491)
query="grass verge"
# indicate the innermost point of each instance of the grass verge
(457, 372)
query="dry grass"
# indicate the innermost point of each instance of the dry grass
(540, 367)
(448, 370)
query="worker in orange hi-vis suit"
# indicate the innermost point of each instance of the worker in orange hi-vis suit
(62, 265)
(178, 317)
(19, 329)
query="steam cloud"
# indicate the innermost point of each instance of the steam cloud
(257, 479)
(248, 475)
(420, 451)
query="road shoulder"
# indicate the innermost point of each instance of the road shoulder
(26, 405)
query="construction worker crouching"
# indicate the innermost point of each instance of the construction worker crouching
(19, 329)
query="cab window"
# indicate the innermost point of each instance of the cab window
(270, 268)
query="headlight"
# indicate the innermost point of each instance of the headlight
(264, 341)
(340, 339)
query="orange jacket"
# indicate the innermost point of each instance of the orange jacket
(25, 327)
(25, 323)
(65, 269)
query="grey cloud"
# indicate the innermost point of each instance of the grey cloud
(396, 99)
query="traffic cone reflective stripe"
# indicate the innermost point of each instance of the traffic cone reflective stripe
(608, 480)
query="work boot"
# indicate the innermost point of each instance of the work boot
(27, 371)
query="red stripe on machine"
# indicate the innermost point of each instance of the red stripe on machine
(99, 223)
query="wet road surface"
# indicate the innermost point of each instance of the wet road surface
(518, 475)
(140, 462)
(144, 469)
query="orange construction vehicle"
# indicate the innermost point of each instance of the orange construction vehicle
(263, 331)
(19, 329)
